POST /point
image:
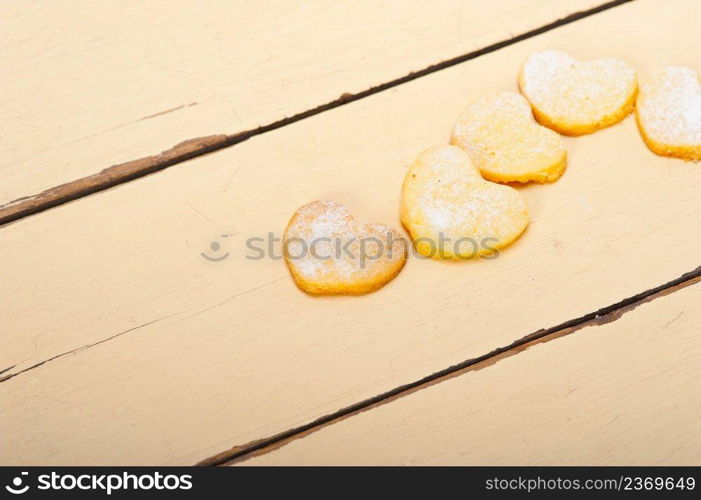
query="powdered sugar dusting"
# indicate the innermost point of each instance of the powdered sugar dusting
(475, 210)
(325, 245)
(502, 138)
(576, 92)
(443, 198)
(669, 107)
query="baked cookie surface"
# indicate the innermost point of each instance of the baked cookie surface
(505, 142)
(451, 212)
(573, 97)
(328, 252)
(668, 113)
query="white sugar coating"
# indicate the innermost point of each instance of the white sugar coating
(669, 106)
(448, 163)
(485, 116)
(319, 231)
(443, 194)
(467, 209)
(499, 133)
(569, 90)
(452, 174)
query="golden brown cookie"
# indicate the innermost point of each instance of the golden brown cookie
(330, 253)
(575, 98)
(668, 113)
(451, 212)
(504, 141)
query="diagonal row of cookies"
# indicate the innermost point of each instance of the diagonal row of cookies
(452, 202)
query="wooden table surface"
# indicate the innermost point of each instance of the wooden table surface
(121, 344)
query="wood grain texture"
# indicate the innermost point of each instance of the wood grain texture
(623, 393)
(89, 86)
(158, 356)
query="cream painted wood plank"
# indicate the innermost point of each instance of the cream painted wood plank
(204, 356)
(87, 85)
(625, 393)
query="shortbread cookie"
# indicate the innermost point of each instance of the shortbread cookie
(451, 212)
(576, 98)
(330, 253)
(668, 113)
(504, 141)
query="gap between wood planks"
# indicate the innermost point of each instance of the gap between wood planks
(603, 316)
(74, 351)
(125, 172)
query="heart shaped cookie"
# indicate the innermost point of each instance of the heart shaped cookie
(668, 113)
(506, 144)
(329, 253)
(451, 212)
(576, 98)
